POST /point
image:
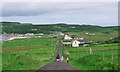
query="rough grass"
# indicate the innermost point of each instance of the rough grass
(94, 47)
(98, 37)
(25, 52)
(80, 57)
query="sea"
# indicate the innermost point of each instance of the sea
(5, 37)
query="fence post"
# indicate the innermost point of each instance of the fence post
(9, 54)
(52, 54)
(54, 48)
(112, 57)
(18, 52)
(90, 51)
(97, 55)
(30, 54)
(26, 53)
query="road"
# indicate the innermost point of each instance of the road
(58, 65)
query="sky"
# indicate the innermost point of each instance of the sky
(88, 13)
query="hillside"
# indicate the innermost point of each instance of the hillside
(114, 40)
(16, 27)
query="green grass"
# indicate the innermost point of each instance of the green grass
(80, 57)
(93, 47)
(37, 48)
(106, 52)
(98, 37)
(27, 42)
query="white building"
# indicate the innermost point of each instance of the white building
(41, 34)
(67, 37)
(61, 34)
(84, 45)
(29, 34)
(67, 42)
(75, 43)
(81, 38)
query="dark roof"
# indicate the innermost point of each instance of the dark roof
(78, 40)
(83, 41)
(66, 41)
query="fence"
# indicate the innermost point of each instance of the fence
(29, 54)
(97, 56)
(93, 50)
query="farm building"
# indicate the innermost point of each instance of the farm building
(28, 34)
(61, 34)
(74, 43)
(84, 45)
(67, 37)
(67, 42)
(83, 41)
(40, 34)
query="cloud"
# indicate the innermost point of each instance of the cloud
(60, 0)
(33, 8)
(22, 9)
(74, 12)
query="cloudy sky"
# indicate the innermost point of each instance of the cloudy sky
(92, 13)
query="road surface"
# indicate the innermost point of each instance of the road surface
(58, 65)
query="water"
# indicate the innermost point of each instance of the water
(3, 37)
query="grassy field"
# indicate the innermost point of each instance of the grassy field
(93, 47)
(101, 59)
(28, 54)
(97, 37)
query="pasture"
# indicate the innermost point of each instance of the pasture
(100, 59)
(97, 37)
(28, 54)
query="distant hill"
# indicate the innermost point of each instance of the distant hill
(16, 27)
(114, 40)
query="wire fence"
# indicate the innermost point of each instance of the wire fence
(27, 53)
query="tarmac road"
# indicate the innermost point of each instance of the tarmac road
(58, 65)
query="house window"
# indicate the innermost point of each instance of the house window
(75, 42)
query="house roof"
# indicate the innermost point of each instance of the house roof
(81, 40)
(67, 41)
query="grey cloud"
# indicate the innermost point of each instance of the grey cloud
(74, 12)
(22, 9)
(32, 9)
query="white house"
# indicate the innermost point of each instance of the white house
(75, 43)
(61, 34)
(40, 34)
(81, 38)
(82, 41)
(84, 45)
(29, 34)
(19, 35)
(67, 37)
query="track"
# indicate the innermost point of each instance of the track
(58, 65)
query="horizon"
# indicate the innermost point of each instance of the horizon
(59, 23)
